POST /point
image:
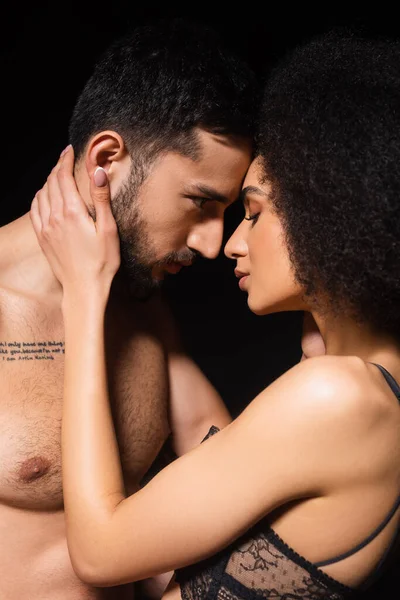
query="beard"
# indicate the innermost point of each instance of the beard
(135, 246)
(138, 255)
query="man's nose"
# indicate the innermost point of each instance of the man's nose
(236, 246)
(207, 238)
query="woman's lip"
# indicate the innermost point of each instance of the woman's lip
(242, 282)
(240, 274)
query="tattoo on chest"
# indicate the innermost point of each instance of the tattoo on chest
(16, 351)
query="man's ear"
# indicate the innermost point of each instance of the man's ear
(107, 149)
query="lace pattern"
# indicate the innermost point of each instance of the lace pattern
(258, 566)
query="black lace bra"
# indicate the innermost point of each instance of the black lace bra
(261, 565)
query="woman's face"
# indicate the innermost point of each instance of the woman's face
(258, 246)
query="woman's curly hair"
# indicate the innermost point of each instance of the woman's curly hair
(329, 140)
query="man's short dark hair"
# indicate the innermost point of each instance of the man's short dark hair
(158, 83)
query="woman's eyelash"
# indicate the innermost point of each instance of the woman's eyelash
(252, 218)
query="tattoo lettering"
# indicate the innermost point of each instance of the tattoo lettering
(15, 351)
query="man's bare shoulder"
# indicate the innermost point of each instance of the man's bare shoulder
(134, 328)
(163, 321)
(137, 314)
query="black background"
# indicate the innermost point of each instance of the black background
(47, 53)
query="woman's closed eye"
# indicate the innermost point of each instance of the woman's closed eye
(253, 218)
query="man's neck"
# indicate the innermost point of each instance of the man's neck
(23, 267)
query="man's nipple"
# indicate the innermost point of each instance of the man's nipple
(33, 468)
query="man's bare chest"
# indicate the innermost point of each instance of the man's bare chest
(31, 384)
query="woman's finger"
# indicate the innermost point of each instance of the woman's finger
(73, 204)
(54, 193)
(312, 343)
(43, 206)
(35, 217)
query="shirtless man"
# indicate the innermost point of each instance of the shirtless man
(167, 114)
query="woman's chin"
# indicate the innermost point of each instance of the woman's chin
(258, 308)
(262, 306)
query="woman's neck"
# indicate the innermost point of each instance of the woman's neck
(344, 336)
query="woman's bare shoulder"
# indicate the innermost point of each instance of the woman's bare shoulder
(321, 399)
(319, 380)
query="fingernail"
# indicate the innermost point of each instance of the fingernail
(100, 177)
(65, 150)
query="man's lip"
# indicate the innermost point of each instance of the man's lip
(175, 267)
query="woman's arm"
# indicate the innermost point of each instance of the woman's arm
(84, 257)
(278, 449)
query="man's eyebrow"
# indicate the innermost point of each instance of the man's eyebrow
(250, 189)
(211, 193)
